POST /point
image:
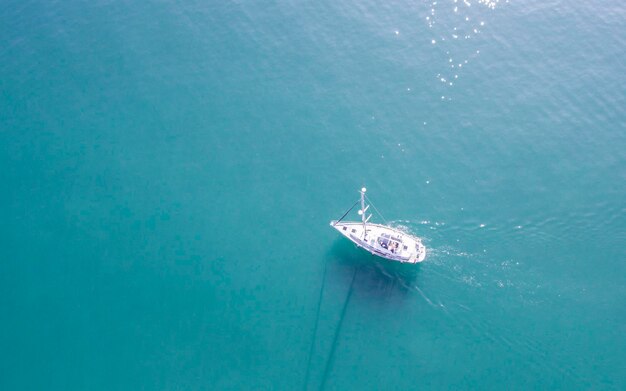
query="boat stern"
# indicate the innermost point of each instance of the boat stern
(421, 252)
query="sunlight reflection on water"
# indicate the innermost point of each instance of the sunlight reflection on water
(452, 24)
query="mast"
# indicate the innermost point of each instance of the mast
(362, 212)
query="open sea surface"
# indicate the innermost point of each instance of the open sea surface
(168, 170)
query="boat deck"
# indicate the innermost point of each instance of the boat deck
(383, 241)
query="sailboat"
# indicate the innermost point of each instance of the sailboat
(381, 240)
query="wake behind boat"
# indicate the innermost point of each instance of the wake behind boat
(381, 240)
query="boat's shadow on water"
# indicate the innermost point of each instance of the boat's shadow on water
(374, 276)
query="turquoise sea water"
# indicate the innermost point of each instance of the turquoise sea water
(168, 171)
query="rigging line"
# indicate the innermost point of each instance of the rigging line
(345, 214)
(329, 361)
(317, 319)
(374, 206)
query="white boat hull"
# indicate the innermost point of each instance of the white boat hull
(383, 241)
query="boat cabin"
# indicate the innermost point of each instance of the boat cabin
(390, 243)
